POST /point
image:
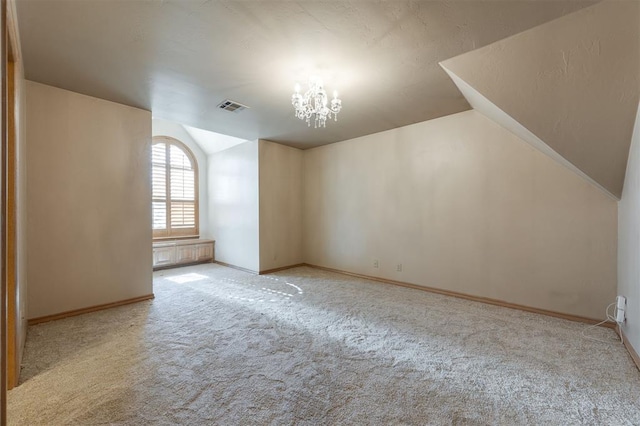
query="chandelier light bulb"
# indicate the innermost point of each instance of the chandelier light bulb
(312, 104)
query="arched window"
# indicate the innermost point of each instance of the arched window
(175, 189)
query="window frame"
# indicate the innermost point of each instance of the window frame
(169, 233)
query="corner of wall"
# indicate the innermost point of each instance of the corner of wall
(629, 242)
(233, 199)
(280, 205)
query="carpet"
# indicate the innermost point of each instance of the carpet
(310, 347)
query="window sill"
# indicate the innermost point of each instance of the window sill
(182, 242)
(186, 237)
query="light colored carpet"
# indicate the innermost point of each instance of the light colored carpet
(308, 347)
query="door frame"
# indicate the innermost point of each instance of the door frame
(13, 362)
(10, 313)
(3, 216)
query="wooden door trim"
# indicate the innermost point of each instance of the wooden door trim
(10, 175)
(13, 72)
(3, 219)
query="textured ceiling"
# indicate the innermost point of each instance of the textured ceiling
(574, 83)
(180, 58)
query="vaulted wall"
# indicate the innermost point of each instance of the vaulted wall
(573, 82)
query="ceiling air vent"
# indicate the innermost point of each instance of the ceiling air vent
(232, 106)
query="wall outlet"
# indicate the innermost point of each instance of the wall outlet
(621, 303)
(399, 267)
(376, 263)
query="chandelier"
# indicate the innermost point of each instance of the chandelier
(312, 105)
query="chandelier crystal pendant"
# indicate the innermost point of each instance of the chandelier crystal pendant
(312, 105)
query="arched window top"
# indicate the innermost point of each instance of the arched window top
(174, 189)
(179, 157)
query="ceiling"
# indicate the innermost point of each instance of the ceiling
(180, 58)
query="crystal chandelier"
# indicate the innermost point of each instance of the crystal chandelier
(312, 105)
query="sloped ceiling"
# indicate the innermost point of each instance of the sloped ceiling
(212, 142)
(180, 58)
(573, 82)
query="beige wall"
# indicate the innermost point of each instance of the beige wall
(233, 205)
(176, 131)
(280, 180)
(629, 241)
(464, 205)
(88, 198)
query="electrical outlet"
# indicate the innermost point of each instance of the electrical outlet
(376, 263)
(621, 304)
(399, 267)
